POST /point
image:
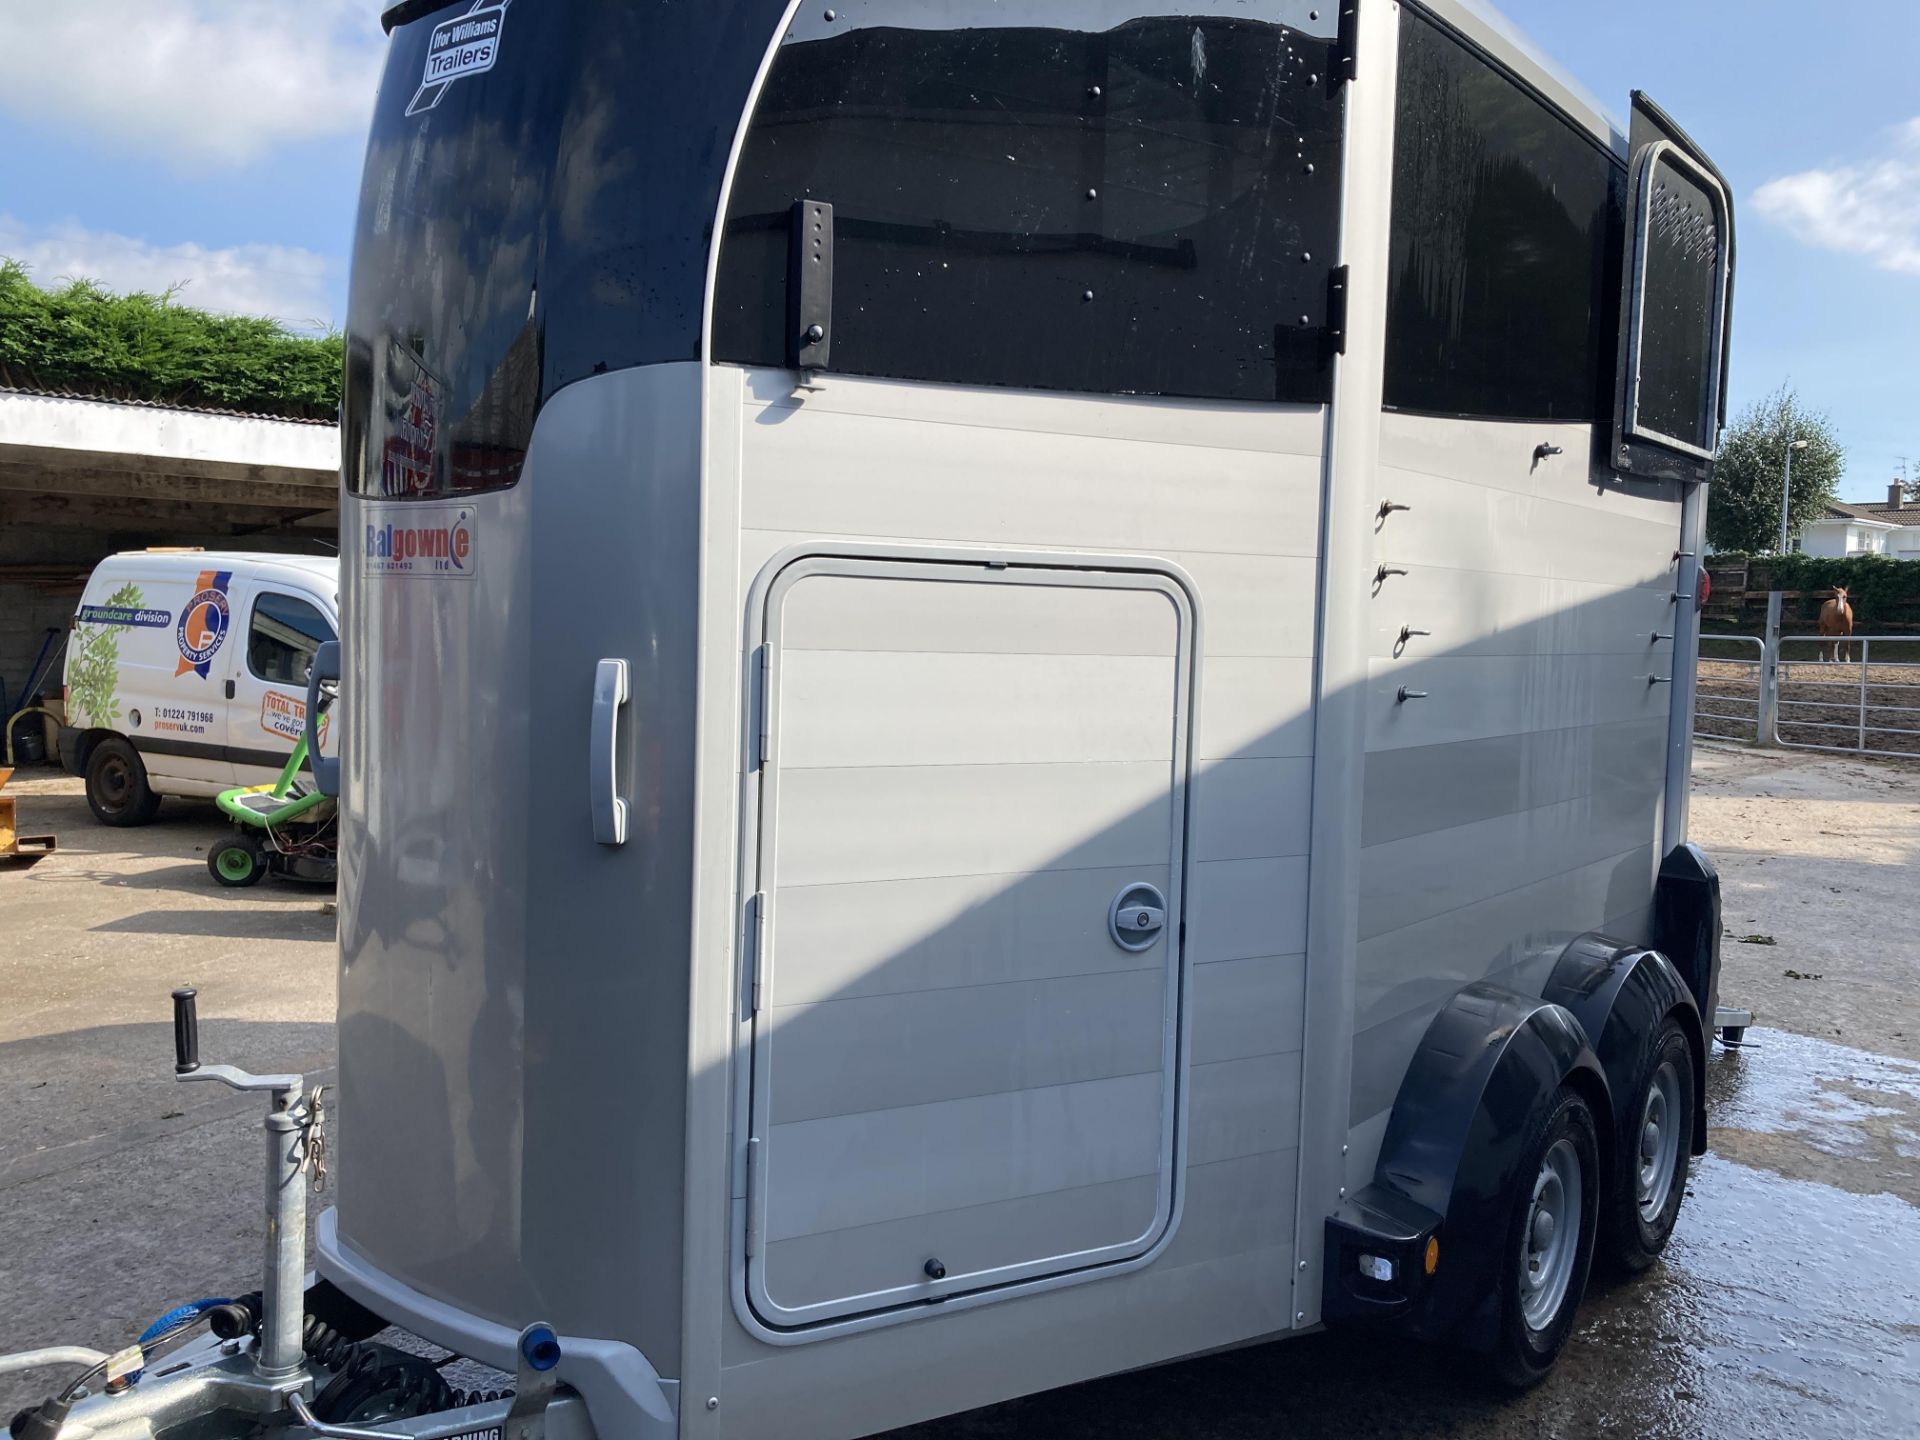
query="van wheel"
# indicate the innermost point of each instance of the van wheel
(238, 860)
(1651, 1178)
(1553, 1212)
(117, 788)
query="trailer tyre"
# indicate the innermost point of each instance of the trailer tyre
(238, 860)
(1553, 1213)
(117, 788)
(1650, 1179)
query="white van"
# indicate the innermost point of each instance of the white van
(187, 672)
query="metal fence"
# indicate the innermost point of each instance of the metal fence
(1727, 699)
(1867, 703)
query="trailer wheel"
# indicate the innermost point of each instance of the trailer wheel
(1650, 1179)
(117, 789)
(237, 860)
(1552, 1221)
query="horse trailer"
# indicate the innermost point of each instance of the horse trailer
(1015, 701)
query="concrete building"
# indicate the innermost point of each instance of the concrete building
(1889, 528)
(81, 477)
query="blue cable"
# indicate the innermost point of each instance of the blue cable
(172, 1320)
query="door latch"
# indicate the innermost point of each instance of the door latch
(1136, 917)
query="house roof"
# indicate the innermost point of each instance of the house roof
(1879, 513)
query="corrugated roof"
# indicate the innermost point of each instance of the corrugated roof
(68, 393)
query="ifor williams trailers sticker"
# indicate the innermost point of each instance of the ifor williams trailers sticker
(468, 44)
(435, 541)
(203, 623)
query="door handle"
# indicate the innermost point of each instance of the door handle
(609, 698)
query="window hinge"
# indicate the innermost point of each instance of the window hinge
(1336, 331)
(756, 933)
(761, 747)
(753, 1230)
(810, 286)
(1346, 45)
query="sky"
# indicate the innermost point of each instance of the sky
(215, 145)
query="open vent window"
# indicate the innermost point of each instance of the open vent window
(1677, 298)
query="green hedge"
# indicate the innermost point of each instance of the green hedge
(145, 347)
(1883, 592)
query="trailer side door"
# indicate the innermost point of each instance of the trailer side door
(966, 991)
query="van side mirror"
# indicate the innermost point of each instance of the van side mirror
(325, 668)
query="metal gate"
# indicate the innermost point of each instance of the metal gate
(1727, 695)
(1867, 703)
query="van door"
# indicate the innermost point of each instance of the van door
(965, 1034)
(176, 687)
(267, 711)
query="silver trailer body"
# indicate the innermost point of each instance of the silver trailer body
(975, 936)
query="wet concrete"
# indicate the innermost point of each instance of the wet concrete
(1788, 1304)
(1785, 1305)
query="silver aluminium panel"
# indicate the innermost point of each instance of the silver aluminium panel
(1001, 1103)
(1225, 496)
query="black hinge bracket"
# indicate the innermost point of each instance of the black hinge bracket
(810, 286)
(1346, 45)
(1336, 331)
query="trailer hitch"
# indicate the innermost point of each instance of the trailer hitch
(292, 1127)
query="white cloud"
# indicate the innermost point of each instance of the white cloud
(199, 83)
(1870, 209)
(283, 281)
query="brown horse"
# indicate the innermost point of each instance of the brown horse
(1836, 627)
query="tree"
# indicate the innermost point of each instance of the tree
(1743, 509)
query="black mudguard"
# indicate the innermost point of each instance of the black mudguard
(1686, 923)
(1489, 1061)
(1621, 994)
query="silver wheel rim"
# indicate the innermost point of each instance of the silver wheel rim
(1659, 1142)
(1551, 1239)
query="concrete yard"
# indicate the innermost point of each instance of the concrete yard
(1788, 1304)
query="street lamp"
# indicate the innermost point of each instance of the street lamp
(1786, 492)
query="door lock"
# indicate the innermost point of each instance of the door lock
(1136, 917)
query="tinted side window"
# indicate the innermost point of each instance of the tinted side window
(1505, 268)
(1147, 207)
(282, 637)
(527, 226)
(1681, 278)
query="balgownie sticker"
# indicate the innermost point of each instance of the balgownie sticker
(465, 45)
(435, 541)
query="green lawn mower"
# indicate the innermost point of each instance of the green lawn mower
(287, 827)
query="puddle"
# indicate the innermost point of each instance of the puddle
(1788, 1305)
(1809, 1109)
(1784, 1307)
